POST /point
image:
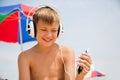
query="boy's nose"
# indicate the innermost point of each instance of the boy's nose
(49, 33)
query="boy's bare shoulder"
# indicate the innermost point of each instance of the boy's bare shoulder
(25, 54)
(67, 51)
(68, 54)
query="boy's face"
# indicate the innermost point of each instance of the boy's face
(46, 34)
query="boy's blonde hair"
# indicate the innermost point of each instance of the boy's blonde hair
(46, 14)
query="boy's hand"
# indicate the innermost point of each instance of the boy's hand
(85, 62)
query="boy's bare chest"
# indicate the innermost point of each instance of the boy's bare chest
(47, 65)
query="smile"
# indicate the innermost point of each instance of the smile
(47, 40)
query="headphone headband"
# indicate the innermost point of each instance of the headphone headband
(30, 25)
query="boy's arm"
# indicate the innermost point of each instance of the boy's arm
(84, 61)
(69, 61)
(80, 76)
(23, 67)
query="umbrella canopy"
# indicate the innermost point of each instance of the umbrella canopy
(13, 23)
(95, 74)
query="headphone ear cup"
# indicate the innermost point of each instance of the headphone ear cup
(60, 30)
(30, 29)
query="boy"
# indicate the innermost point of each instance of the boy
(47, 60)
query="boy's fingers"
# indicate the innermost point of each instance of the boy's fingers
(86, 57)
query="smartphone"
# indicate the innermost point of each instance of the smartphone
(79, 68)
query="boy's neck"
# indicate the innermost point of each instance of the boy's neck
(46, 49)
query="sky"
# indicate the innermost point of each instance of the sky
(93, 24)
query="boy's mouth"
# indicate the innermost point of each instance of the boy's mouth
(47, 40)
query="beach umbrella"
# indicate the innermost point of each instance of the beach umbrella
(13, 23)
(96, 74)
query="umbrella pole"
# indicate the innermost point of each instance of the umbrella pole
(20, 29)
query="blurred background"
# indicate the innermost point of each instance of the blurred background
(93, 24)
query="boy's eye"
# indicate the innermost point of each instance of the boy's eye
(43, 29)
(51, 30)
(54, 30)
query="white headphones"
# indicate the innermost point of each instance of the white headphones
(30, 27)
